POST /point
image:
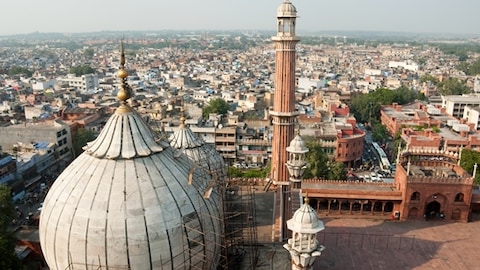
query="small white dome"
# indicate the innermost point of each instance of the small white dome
(305, 220)
(297, 145)
(286, 9)
(205, 155)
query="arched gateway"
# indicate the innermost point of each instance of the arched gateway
(432, 210)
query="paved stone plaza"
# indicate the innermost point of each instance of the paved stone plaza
(381, 244)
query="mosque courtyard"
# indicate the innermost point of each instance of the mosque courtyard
(378, 244)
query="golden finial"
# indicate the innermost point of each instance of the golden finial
(306, 200)
(182, 114)
(124, 92)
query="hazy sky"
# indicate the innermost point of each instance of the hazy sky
(432, 16)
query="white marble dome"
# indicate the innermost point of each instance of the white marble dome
(203, 154)
(125, 203)
(297, 145)
(305, 220)
(286, 9)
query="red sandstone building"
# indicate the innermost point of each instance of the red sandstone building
(427, 127)
(349, 148)
(427, 185)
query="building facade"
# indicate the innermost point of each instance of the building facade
(428, 184)
(83, 83)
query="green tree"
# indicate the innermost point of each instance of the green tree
(337, 171)
(19, 71)
(81, 70)
(380, 132)
(452, 86)
(89, 52)
(468, 160)
(429, 78)
(367, 106)
(81, 137)
(217, 105)
(317, 160)
(7, 241)
(470, 69)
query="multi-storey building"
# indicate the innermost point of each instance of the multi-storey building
(49, 131)
(455, 105)
(424, 126)
(472, 116)
(225, 139)
(83, 83)
(349, 147)
(395, 117)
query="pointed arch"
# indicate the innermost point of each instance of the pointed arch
(415, 196)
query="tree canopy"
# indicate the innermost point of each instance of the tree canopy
(7, 241)
(319, 165)
(248, 173)
(19, 71)
(81, 70)
(89, 52)
(316, 159)
(452, 86)
(367, 106)
(217, 105)
(428, 78)
(468, 160)
(80, 139)
(470, 68)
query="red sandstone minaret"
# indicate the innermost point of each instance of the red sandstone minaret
(284, 113)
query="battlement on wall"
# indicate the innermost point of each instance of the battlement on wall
(440, 180)
(345, 182)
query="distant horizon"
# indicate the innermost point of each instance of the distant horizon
(327, 33)
(409, 16)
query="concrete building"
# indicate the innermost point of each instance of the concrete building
(455, 105)
(472, 115)
(83, 83)
(51, 131)
(395, 116)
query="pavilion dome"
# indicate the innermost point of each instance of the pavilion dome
(287, 9)
(297, 145)
(305, 220)
(203, 154)
(126, 203)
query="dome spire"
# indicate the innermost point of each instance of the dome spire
(125, 134)
(124, 93)
(182, 115)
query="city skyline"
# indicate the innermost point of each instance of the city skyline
(428, 16)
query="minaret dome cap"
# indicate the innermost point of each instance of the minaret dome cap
(287, 9)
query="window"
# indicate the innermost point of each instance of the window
(459, 197)
(415, 196)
